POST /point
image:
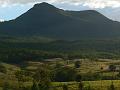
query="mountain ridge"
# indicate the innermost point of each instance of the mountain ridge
(46, 20)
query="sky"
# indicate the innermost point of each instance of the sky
(10, 9)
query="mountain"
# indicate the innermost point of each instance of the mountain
(46, 20)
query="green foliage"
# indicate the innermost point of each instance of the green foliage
(80, 86)
(65, 74)
(88, 87)
(17, 52)
(112, 87)
(78, 78)
(42, 77)
(20, 76)
(91, 76)
(58, 65)
(77, 64)
(65, 87)
(35, 86)
(3, 69)
(112, 67)
(6, 86)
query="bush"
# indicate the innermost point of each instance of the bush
(88, 87)
(42, 77)
(65, 74)
(112, 87)
(80, 86)
(65, 87)
(112, 67)
(6, 86)
(3, 69)
(35, 86)
(77, 64)
(78, 78)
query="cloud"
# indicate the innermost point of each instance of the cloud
(89, 3)
(102, 3)
(1, 20)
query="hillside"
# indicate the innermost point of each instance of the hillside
(45, 32)
(48, 21)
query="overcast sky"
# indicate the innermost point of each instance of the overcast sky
(10, 9)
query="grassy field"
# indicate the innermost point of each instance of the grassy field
(95, 85)
(88, 67)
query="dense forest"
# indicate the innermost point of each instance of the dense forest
(19, 50)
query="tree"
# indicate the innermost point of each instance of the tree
(3, 69)
(112, 67)
(42, 77)
(78, 78)
(88, 87)
(112, 87)
(77, 64)
(80, 86)
(6, 86)
(65, 87)
(65, 74)
(66, 59)
(35, 86)
(20, 76)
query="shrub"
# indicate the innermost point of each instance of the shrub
(77, 64)
(65, 74)
(65, 87)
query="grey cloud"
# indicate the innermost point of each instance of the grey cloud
(90, 3)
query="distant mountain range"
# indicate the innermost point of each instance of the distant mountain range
(45, 20)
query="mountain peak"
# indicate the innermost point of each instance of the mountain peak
(46, 20)
(44, 5)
